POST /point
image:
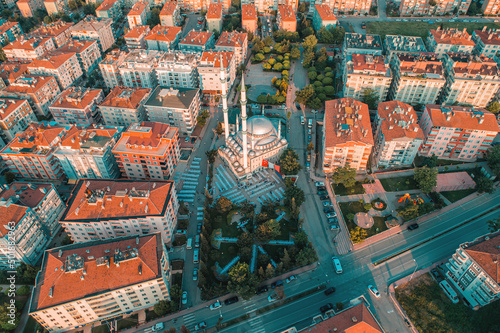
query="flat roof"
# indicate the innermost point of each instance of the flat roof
(174, 98)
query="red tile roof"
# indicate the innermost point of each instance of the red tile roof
(424, 63)
(137, 32)
(213, 58)
(368, 63)
(125, 97)
(37, 135)
(467, 66)
(106, 5)
(234, 39)
(9, 105)
(462, 117)
(77, 98)
(399, 120)
(197, 38)
(248, 12)
(11, 70)
(138, 8)
(326, 13)
(7, 26)
(214, 11)
(126, 199)
(77, 136)
(52, 30)
(30, 43)
(164, 33)
(489, 36)
(168, 8)
(452, 36)
(286, 13)
(54, 61)
(30, 84)
(486, 253)
(66, 284)
(347, 120)
(74, 45)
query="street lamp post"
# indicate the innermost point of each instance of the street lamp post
(416, 266)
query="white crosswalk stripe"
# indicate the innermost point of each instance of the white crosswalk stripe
(260, 330)
(189, 319)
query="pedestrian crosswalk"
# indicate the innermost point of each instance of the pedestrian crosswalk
(189, 319)
(257, 325)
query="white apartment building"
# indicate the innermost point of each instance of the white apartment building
(456, 132)
(59, 31)
(120, 207)
(449, 40)
(163, 38)
(417, 79)
(398, 135)
(472, 80)
(347, 135)
(487, 42)
(135, 38)
(26, 49)
(362, 44)
(139, 14)
(85, 152)
(438, 8)
(473, 270)
(236, 42)
(15, 117)
(170, 14)
(178, 69)
(93, 28)
(178, 107)
(209, 70)
(405, 45)
(29, 216)
(65, 67)
(77, 106)
(100, 280)
(124, 106)
(346, 6)
(366, 71)
(138, 69)
(109, 67)
(87, 52)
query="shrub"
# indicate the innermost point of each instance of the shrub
(262, 99)
(327, 80)
(271, 61)
(279, 58)
(320, 77)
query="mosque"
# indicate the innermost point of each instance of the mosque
(258, 139)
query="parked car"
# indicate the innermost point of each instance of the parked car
(329, 291)
(200, 326)
(317, 184)
(254, 106)
(276, 284)
(193, 140)
(309, 138)
(334, 227)
(327, 210)
(291, 278)
(231, 300)
(186, 139)
(331, 215)
(435, 274)
(195, 274)
(273, 297)
(326, 307)
(374, 291)
(198, 228)
(298, 106)
(333, 220)
(183, 232)
(268, 107)
(157, 327)
(324, 197)
(320, 188)
(413, 226)
(282, 107)
(322, 193)
(262, 290)
(327, 204)
(184, 297)
(216, 305)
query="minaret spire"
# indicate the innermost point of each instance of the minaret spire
(237, 124)
(223, 83)
(243, 102)
(279, 130)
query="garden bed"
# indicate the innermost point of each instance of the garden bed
(395, 184)
(355, 207)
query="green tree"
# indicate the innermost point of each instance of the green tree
(494, 225)
(493, 107)
(426, 178)
(278, 67)
(211, 155)
(9, 177)
(312, 75)
(345, 175)
(329, 90)
(289, 162)
(294, 192)
(268, 41)
(327, 80)
(306, 256)
(484, 184)
(310, 146)
(325, 36)
(184, 329)
(223, 205)
(3, 57)
(23, 291)
(309, 43)
(295, 53)
(301, 239)
(338, 35)
(241, 281)
(286, 260)
(370, 97)
(219, 130)
(259, 57)
(5, 319)
(409, 212)
(304, 95)
(308, 59)
(162, 308)
(72, 4)
(315, 103)
(154, 17)
(493, 159)
(358, 235)
(269, 271)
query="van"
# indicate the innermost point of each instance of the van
(197, 241)
(302, 120)
(337, 265)
(189, 245)
(310, 123)
(196, 255)
(448, 290)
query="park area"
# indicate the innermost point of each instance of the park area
(430, 310)
(350, 211)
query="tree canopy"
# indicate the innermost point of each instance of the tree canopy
(289, 162)
(493, 159)
(426, 178)
(345, 175)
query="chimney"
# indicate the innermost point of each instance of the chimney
(354, 319)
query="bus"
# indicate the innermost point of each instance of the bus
(189, 245)
(302, 120)
(448, 290)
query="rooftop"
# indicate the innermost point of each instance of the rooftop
(173, 98)
(214, 11)
(164, 33)
(212, 58)
(485, 251)
(141, 57)
(197, 38)
(451, 36)
(16, 198)
(27, 43)
(92, 23)
(398, 43)
(347, 120)
(53, 29)
(126, 98)
(93, 137)
(53, 61)
(286, 13)
(468, 118)
(115, 57)
(234, 39)
(11, 70)
(37, 139)
(248, 12)
(468, 66)
(77, 98)
(75, 45)
(82, 270)
(107, 5)
(360, 41)
(326, 13)
(9, 105)
(169, 8)
(178, 58)
(368, 64)
(96, 199)
(29, 84)
(138, 8)
(398, 120)
(425, 64)
(489, 36)
(7, 26)
(137, 32)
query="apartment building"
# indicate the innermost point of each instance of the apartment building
(100, 280)
(197, 41)
(10, 31)
(110, 9)
(236, 42)
(55, 7)
(286, 18)
(59, 32)
(31, 153)
(487, 42)
(448, 40)
(403, 45)
(65, 67)
(347, 135)
(87, 52)
(170, 14)
(456, 132)
(473, 270)
(349, 6)
(178, 69)
(10, 71)
(26, 49)
(214, 17)
(77, 106)
(38, 90)
(139, 14)
(439, 7)
(86, 152)
(15, 117)
(362, 44)
(472, 80)
(323, 17)
(163, 38)
(178, 107)
(29, 7)
(491, 7)
(366, 71)
(29, 221)
(417, 79)
(249, 18)
(149, 150)
(93, 28)
(135, 38)
(124, 106)
(210, 68)
(397, 136)
(109, 67)
(138, 69)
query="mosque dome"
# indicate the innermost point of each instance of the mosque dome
(260, 125)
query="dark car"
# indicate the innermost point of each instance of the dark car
(320, 188)
(193, 140)
(326, 307)
(198, 228)
(413, 226)
(276, 284)
(324, 197)
(328, 210)
(322, 193)
(231, 300)
(329, 291)
(268, 107)
(261, 290)
(435, 274)
(298, 106)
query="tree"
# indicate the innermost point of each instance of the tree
(268, 41)
(278, 67)
(295, 53)
(358, 235)
(309, 43)
(175, 292)
(494, 225)
(47, 20)
(315, 103)
(312, 75)
(3, 57)
(241, 281)
(338, 35)
(172, 330)
(345, 175)
(484, 184)
(72, 4)
(370, 97)
(426, 178)
(325, 36)
(289, 162)
(310, 146)
(154, 18)
(211, 154)
(262, 99)
(9, 177)
(269, 271)
(409, 212)
(162, 308)
(294, 192)
(223, 205)
(493, 159)
(219, 130)
(23, 291)
(329, 90)
(493, 107)
(306, 256)
(184, 329)
(286, 260)
(6, 320)
(308, 59)
(304, 95)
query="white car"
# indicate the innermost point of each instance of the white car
(291, 278)
(273, 298)
(318, 184)
(157, 327)
(184, 297)
(374, 291)
(331, 215)
(282, 107)
(327, 204)
(216, 305)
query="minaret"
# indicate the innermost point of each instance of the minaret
(223, 83)
(279, 130)
(243, 102)
(237, 124)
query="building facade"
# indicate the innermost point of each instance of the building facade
(236, 42)
(110, 9)
(403, 45)
(197, 41)
(487, 42)
(170, 14)
(323, 17)
(109, 67)
(209, 71)
(87, 52)
(362, 44)
(163, 38)
(439, 7)
(26, 49)
(124, 106)
(286, 18)
(139, 14)
(10, 31)
(214, 17)
(59, 31)
(77, 106)
(15, 117)
(448, 40)
(138, 69)
(349, 6)
(491, 7)
(65, 67)
(178, 69)
(92, 28)
(249, 18)
(135, 38)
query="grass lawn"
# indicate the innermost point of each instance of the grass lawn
(399, 184)
(421, 29)
(31, 325)
(341, 190)
(127, 322)
(275, 252)
(355, 207)
(431, 311)
(454, 196)
(227, 252)
(151, 315)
